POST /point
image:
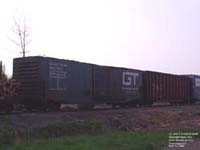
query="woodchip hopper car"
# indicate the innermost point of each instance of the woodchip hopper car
(163, 87)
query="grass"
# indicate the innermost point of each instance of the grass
(10, 136)
(108, 141)
(146, 140)
(83, 136)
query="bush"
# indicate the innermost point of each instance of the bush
(7, 136)
(10, 136)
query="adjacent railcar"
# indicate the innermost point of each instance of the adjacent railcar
(162, 87)
(195, 88)
(48, 82)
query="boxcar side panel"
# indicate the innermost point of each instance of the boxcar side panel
(116, 85)
(161, 87)
(126, 83)
(101, 83)
(69, 81)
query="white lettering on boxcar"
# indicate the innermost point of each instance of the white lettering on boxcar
(129, 78)
(57, 76)
(197, 82)
(57, 70)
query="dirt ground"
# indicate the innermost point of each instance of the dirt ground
(125, 119)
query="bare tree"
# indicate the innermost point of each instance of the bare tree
(21, 35)
(3, 75)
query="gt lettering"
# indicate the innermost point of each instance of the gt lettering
(128, 77)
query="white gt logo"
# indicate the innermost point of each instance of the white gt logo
(127, 78)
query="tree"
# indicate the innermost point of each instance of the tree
(3, 75)
(21, 34)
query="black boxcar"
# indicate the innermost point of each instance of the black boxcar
(49, 82)
(117, 85)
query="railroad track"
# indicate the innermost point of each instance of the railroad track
(99, 108)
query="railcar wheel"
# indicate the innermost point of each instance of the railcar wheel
(115, 106)
(149, 104)
(85, 106)
(175, 103)
(53, 106)
(132, 104)
(125, 105)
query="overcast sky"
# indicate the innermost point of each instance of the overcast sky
(160, 35)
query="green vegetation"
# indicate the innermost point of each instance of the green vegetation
(141, 140)
(10, 136)
(83, 135)
(108, 141)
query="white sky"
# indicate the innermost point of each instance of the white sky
(160, 35)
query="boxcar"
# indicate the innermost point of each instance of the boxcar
(195, 87)
(162, 87)
(48, 82)
(117, 85)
